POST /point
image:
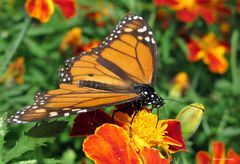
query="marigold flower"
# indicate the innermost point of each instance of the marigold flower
(218, 155)
(73, 38)
(96, 15)
(14, 72)
(211, 51)
(238, 6)
(135, 140)
(180, 84)
(92, 44)
(190, 10)
(43, 9)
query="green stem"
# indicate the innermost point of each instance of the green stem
(152, 17)
(206, 127)
(233, 60)
(223, 122)
(12, 48)
(196, 78)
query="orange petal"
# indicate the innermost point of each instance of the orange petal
(218, 153)
(207, 15)
(92, 44)
(68, 7)
(40, 9)
(15, 72)
(174, 132)
(110, 144)
(165, 2)
(152, 156)
(217, 63)
(194, 50)
(171, 141)
(186, 16)
(232, 157)
(203, 157)
(73, 39)
(124, 112)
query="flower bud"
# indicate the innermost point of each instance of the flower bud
(190, 118)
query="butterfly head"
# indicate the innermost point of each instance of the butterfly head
(149, 96)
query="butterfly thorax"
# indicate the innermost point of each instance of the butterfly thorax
(148, 95)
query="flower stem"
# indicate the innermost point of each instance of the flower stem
(196, 78)
(12, 48)
(233, 60)
(152, 17)
(223, 122)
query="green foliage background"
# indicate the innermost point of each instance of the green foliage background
(39, 45)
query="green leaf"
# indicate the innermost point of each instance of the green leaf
(14, 45)
(3, 131)
(24, 145)
(52, 161)
(34, 47)
(69, 156)
(47, 129)
(34, 161)
(182, 44)
(233, 61)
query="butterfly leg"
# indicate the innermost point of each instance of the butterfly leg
(158, 114)
(130, 129)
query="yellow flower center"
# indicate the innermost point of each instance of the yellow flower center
(147, 131)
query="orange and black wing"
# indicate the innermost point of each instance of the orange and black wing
(103, 77)
(126, 57)
(68, 100)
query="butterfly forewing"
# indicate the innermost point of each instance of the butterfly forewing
(125, 57)
(102, 77)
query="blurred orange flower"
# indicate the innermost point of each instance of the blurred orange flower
(92, 44)
(211, 51)
(15, 72)
(135, 140)
(180, 84)
(98, 14)
(218, 155)
(43, 9)
(73, 38)
(190, 10)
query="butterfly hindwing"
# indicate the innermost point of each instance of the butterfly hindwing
(68, 100)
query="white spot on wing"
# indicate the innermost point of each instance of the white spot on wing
(135, 17)
(51, 114)
(147, 39)
(82, 111)
(142, 29)
(66, 114)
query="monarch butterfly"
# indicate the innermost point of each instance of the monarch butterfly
(121, 70)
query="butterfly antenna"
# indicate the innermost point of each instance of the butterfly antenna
(184, 104)
(164, 112)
